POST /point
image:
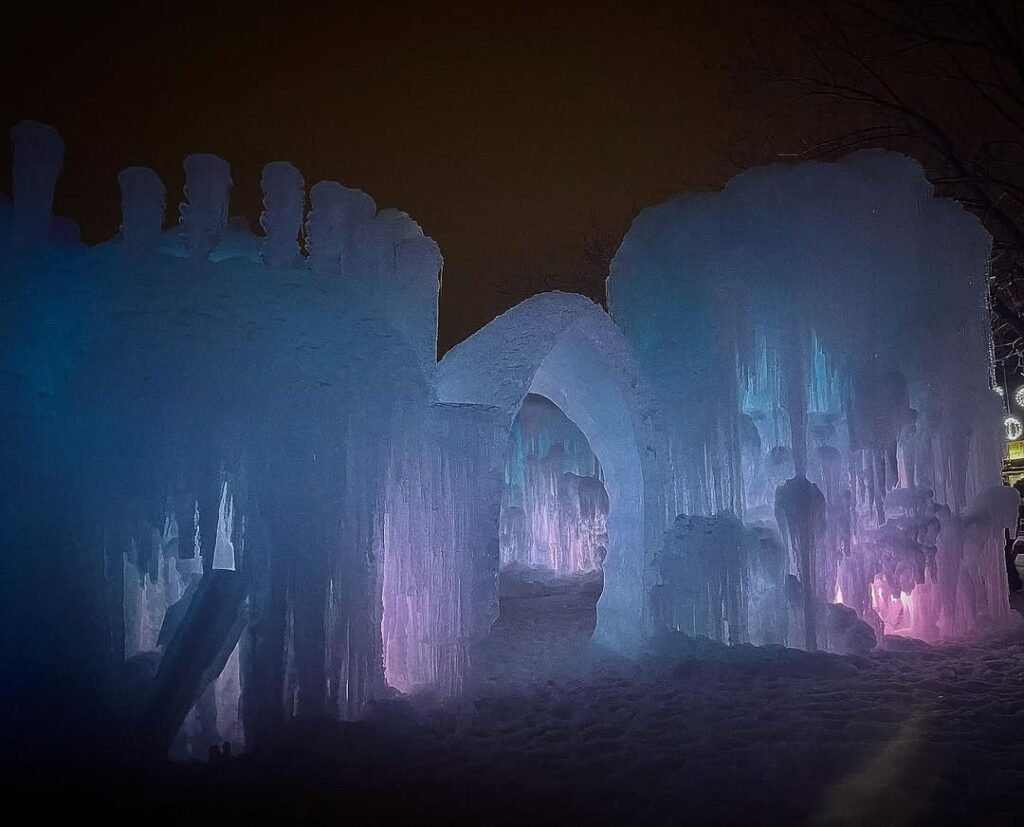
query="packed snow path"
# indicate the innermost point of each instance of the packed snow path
(543, 628)
(693, 733)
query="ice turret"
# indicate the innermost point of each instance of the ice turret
(204, 214)
(143, 202)
(284, 200)
(38, 155)
(331, 229)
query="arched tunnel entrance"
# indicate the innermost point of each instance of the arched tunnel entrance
(553, 533)
(559, 356)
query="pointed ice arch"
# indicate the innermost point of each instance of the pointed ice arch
(566, 348)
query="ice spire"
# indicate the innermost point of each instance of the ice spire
(284, 200)
(143, 202)
(38, 155)
(204, 214)
(224, 547)
(800, 515)
(330, 228)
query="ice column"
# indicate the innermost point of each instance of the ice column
(800, 514)
(204, 215)
(418, 267)
(143, 201)
(284, 199)
(331, 240)
(38, 154)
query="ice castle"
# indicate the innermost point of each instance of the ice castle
(237, 467)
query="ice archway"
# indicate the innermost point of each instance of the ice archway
(566, 348)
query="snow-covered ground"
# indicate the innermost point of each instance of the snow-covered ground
(693, 733)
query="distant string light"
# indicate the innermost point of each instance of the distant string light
(1018, 396)
(999, 389)
(1014, 428)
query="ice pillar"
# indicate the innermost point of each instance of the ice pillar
(335, 212)
(284, 198)
(143, 201)
(204, 215)
(38, 155)
(800, 514)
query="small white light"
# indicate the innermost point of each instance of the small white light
(1018, 396)
(999, 389)
(1014, 428)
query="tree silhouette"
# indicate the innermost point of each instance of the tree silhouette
(579, 266)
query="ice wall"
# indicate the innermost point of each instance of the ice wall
(205, 443)
(818, 341)
(440, 545)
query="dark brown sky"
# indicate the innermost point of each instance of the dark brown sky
(500, 129)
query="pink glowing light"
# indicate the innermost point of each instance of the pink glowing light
(895, 609)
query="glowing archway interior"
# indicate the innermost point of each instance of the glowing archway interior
(554, 506)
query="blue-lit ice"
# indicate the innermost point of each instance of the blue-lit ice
(244, 487)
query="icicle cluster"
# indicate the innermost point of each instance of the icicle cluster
(818, 342)
(554, 508)
(218, 413)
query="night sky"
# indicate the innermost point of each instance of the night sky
(502, 132)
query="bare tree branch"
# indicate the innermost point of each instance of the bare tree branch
(942, 80)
